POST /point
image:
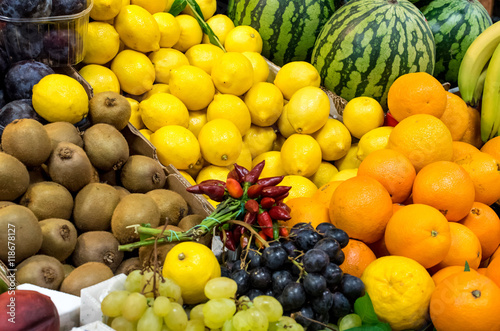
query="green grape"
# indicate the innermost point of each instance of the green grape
(228, 326)
(217, 311)
(245, 302)
(197, 312)
(241, 321)
(195, 325)
(161, 306)
(148, 283)
(221, 287)
(176, 320)
(120, 323)
(134, 306)
(170, 289)
(258, 319)
(133, 281)
(149, 321)
(270, 306)
(286, 323)
(112, 304)
(349, 321)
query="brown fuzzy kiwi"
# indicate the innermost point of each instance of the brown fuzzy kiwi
(171, 204)
(194, 219)
(146, 252)
(141, 174)
(69, 166)
(94, 206)
(42, 270)
(59, 238)
(63, 131)
(27, 140)
(105, 146)
(6, 203)
(86, 275)
(95, 176)
(128, 265)
(122, 191)
(135, 208)
(97, 246)
(48, 200)
(68, 268)
(111, 108)
(14, 177)
(19, 221)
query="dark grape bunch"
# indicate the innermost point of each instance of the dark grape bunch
(303, 273)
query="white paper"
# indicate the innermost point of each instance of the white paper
(95, 326)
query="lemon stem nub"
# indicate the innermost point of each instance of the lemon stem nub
(224, 157)
(181, 256)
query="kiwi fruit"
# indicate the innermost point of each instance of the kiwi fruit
(141, 174)
(111, 108)
(41, 270)
(135, 208)
(171, 204)
(105, 146)
(21, 221)
(37, 175)
(14, 177)
(122, 191)
(69, 166)
(6, 203)
(68, 268)
(63, 131)
(95, 178)
(194, 219)
(27, 140)
(59, 238)
(48, 200)
(128, 265)
(97, 246)
(94, 206)
(146, 256)
(109, 177)
(86, 275)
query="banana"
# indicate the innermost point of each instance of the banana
(474, 60)
(478, 92)
(490, 107)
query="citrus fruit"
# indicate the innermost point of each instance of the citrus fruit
(163, 109)
(462, 149)
(472, 134)
(204, 56)
(212, 172)
(465, 247)
(191, 33)
(306, 210)
(373, 140)
(157, 88)
(188, 177)
(146, 133)
(170, 30)
(301, 186)
(135, 116)
(185, 80)
(349, 160)
(232, 108)
(259, 65)
(325, 192)
(138, 29)
(379, 248)
(151, 6)
(102, 43)
(308, 109)
(243, 38)
(197, 119)
(357, 257)
(220, 25)
(134, 70)
(233, 73)
(245, 158)
(492, 147)
(361, 115)
(259, 139)
(273, 166)
(265, 103)
(455, 116)
(208, 8)
(100, 78)
(301, 155)
(324, 174)
(493, 271)
(345, 174)
(103, 10)
(334, 139)
(220, 142)
(284, 126)
(295, 75)
(446, 272)
(176, 145)
(164, 60)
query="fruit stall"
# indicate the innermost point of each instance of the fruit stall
(249, 165)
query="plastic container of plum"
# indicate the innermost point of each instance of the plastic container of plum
(56, 40)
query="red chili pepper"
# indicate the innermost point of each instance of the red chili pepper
(234, 175)
(275, 191)
(252, 206)
(283, 205)
(250, 218)
(258, 242)
(267, 202)
(254, 191)
(237, 232)
(389, 120)
(242, 172)
(244, 239)
(253, 175)
(230, 244)
(234, 188)
(284, 231)
(195, 189)
(266, 223)
(215, 193)
(212, 182)
(281, 197)
(270, 181)
(278, 213)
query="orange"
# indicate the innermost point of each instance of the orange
(357, 257)
(485, 224)
(445, 186)
(419, 232)
(416, 93)
(466, 301)
(396, 207)
(462, 149)
(492, 147)
(484, 170)
(482, 271)
(444, 273)
(423, 139)
(496, 254)
(307, 210)
(493, 271)
(392, 169)
(379, 248)
(472, 134)
(455, 116)
(325, 192)
(361, 206)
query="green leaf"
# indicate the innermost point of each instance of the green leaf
(204, 26)
(177, 7)
(373, 327)
(467, 268)
(364, 308)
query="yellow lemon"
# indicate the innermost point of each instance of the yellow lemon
(191, 33)
(324, 174)
(164, 60)
(245, 158)
(138, 29)
(176, 145)
(220, 25)
(204, 56)
(170, 30)
(259, 139)
(220, 142)
(278, 142)
(301, 155)
(344, 174)
(308, 109)
(100, 78)
(260, 66)
(361, 115)
(232, 108)
(134, 70)
(196, 168)
(146, 133)
(212, 172)
(157, 88)
(102, 43)
(284, 126)
(208, 8)
(152, 6)
(125, 3)
(301, 186)
(193, 86)
(400, 290)
(197, 119)
(243, 38)
(135, 115)
(273, 167)
(191, 265)
(163, 109)
(168, 5)
(373, 140)
(233, 73)
(60, 98)
(295, 75)
(188, 177)
(265, 103)
(350, 160)
(334, 139)
(104, 10)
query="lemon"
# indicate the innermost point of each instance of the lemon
(361, 115)
(245, 158)
(308, 109)
(208, 8)
(134, 70)
(138, 29)
(233, 73)
(212, 172)
(191, 33)
(197, 119)
(170, 30)
(278, 142)
(350, 160)
(259, 139)
(164, 60)
(125, 3)
(243, 38)
(232, 108)
(60, 98)
(295, 75)
(204, 56)
(193, 86)
(163, 109)
(176, 145)
(220, 25)
(196, 168)
(400, 290)
(100, 78)
(265, 103)
(344, 174)
(135, 116)
(146, 133)
(157, 88)
(373, 140)
(324, 174)
(334, 139)
(191, 265)
(104, 10)
(220, 142)
(188, 177)
(301, 155)
(152, 6)
(102, 43)
(168, 5)
(273, 167)
(260, 66)
(301, 186)
(284, 126)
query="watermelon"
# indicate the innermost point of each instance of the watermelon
(288, 27)
(455, 24)
(367, 44)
